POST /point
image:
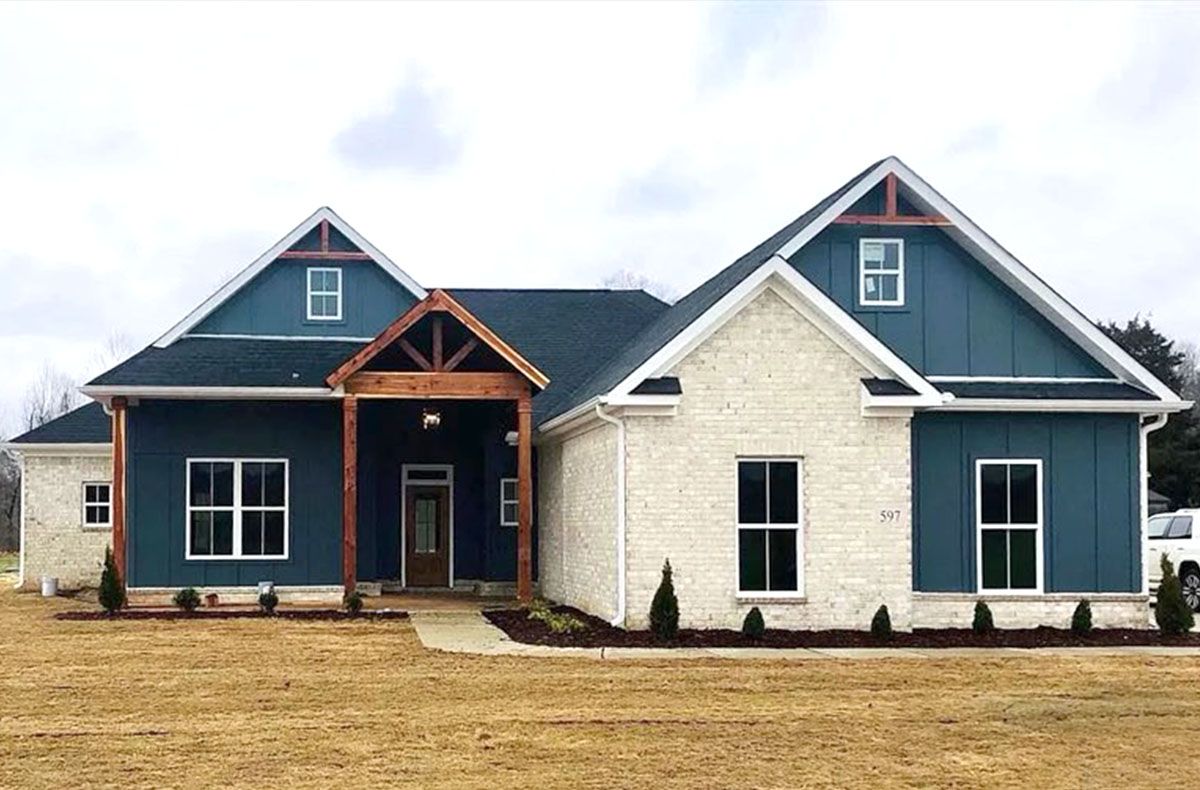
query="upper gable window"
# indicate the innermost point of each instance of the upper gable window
(324, 294)
(881, 272)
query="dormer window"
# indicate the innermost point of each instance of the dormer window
(324, 294)
(881, 272)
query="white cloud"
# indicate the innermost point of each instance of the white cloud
(148, 151)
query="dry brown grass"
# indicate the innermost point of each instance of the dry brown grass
(272, 704)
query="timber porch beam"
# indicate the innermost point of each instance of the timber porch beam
(349, 493)
(118, 407)
(481, 386)
(891, 214)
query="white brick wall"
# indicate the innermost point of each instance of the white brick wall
(948, 610)
(770, 383)
(56, 542)
(577, 489)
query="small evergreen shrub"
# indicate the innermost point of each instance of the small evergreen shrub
(664, 609)
(557, 622)
(268, 601)
(1171, 612)
(112, 588)
(1081, 620)
(881, 624)
(187, 599)
(353, 602)
(982, 624)
(753, 626)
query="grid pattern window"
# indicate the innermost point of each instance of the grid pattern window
(769, 509)
(237, 509)
(508, 502)
(1008, 502)
(881, 272)
(97, 505)
(324, 294)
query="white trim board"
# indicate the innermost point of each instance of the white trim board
(999, 262)
(234, 284)
(779, 276)
(100, 449)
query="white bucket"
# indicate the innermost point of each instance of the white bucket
(49, 586)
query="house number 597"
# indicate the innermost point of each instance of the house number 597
(889, 515)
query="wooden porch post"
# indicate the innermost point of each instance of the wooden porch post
(524, 497)
(349, 492)
(118, 407)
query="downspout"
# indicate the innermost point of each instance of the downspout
(1145, 429)
(619, 619)
(21, 537)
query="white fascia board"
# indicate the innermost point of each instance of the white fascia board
(779, 276)
(105, 393)
(261, 262)
(62, 448)
(302, 338)
(649, 401)
(1001, 263)
(1023, 380)
(1047, 405)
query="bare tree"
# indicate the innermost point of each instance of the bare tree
(1189, 372)
(52, 395)
(10, 502)
(117, 347)
(626, 280)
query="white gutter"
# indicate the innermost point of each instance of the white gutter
(21, 537)
(1145, 429)
(619, 619)
(1063, 404)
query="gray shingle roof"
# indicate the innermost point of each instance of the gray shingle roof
(86, 425)
(565, 333)
(885, 387)
(1084, 390)
(673, 321)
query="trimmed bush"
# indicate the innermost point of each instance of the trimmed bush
(1171, 612)
(187, 599)
(982, 624)
(353, 602)
(268, 601)
(1081, 620)
(557, 622)
(753, 626)
(664, 609)
(112, 588)
(881, 624)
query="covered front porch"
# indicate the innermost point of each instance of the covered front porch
(437, 455)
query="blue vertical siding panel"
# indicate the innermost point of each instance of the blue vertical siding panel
(1091, 535)
(273, 303)
(959, 318)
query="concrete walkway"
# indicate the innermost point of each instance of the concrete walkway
(470, 632)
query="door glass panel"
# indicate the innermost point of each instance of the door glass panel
(425, 524)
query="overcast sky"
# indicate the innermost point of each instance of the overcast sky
(148, 152)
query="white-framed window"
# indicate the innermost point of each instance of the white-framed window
(97, 505)
(881, 272)
(769, 514)
(1008, 517)
(508, 501)
(324, 293)
(237, 508)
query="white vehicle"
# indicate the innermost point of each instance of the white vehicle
(1172, 534)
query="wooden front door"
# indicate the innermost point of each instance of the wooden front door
(427, 536)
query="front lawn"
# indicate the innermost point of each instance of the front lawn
(260, 703)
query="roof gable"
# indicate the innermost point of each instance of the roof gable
(323, 236)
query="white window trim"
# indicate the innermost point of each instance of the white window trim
(311, 292)
(504, 501)
(782, 595)
(1037, 528)
(863, 301)
(237, 509)
(84, 505)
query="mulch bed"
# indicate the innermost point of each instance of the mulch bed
(518, 626)
(232, 614)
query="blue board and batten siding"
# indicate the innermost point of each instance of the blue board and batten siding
(164, 434)
(274, 302)
(1090, 495)
(958, 319)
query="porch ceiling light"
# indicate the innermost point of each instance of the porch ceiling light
(431, 419)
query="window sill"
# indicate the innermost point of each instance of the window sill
(324, 322)
(228, 558)
(96, 527)
(1000, 596)
(768, 598)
